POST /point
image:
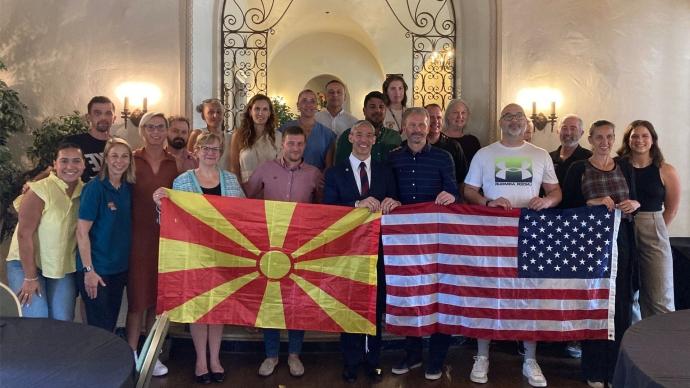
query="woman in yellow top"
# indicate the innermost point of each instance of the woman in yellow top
(41, 261)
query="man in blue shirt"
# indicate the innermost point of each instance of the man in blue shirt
(424, 173)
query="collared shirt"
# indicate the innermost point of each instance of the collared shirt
(185, 161)
(386, 141)
(355, 163)
(110, 210)
(55, 237)
(423, 175)
(275, 180)
(561, 166)
(318, 143)
(338, 123)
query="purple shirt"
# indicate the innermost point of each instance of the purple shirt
(274, 180)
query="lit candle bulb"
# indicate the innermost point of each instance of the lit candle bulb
(534, 108)
(126, 103)
(145, 103)
(553, 107)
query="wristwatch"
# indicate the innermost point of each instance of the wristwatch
(87, 268)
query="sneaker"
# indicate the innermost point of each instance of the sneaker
(532, 371)
(159, 369)
(574, 349)
(268, 366)
(595, 384)
(433, 373)
(406, 365)
(295, 364)
(480, 370)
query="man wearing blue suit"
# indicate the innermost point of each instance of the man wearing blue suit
(359, 182)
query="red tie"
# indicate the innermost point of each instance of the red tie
(364, 178)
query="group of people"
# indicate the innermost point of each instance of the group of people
(99, 233)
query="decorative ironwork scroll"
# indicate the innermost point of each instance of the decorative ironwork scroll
(431, 25)
(244, 52)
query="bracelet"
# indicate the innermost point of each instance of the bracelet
(31, 279)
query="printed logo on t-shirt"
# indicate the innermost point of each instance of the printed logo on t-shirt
(94, 161)
(513, 171)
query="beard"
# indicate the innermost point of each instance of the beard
(177, 143)
(103, 126)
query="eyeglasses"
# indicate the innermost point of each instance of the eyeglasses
(151, 127)
(209, 150)
(511, 117)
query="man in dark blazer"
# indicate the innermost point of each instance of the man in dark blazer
(359, 182)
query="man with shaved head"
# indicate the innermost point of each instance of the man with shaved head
(511, 172)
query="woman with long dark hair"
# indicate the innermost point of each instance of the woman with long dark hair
(395, 92)
(256, 140)
(659, 197)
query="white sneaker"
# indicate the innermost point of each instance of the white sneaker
(159, 369)
(532, 371)
(595, 384)
(480, 370)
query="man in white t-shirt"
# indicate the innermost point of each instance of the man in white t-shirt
(510, 172)
(334, 116)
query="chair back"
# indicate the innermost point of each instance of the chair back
(149, 352)
(9, 304)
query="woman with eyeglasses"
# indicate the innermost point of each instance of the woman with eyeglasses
(395, 93)
(208, 178)
(154, 168)
(104, 235)
(257, 140)
(659, 198)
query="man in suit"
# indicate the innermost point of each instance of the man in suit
(360, 182)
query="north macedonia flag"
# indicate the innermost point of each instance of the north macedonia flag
(268, 264)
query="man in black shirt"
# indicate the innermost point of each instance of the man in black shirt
(569, 151)
(439, 139)
(101, 116)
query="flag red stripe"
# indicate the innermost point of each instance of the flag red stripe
(473, 230)
(542, 335)
(499, 293)
(469, 270)
(477, 312)
(505, 251)
(430, 207)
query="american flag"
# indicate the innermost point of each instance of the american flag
(489, 273)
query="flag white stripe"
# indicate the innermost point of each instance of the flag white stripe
(498, 304)
(493, 282)
(450, 259)
(447, 218)
(450, 239)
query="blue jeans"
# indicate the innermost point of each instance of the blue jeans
(272, 341)
(57, 298)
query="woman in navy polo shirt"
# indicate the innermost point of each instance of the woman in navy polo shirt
(104, 235)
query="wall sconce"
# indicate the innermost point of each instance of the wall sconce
(136, 114)
(539, 119)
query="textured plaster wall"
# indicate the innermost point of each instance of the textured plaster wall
(615, 59)
(61, 53)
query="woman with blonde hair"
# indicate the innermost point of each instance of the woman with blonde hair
(154, 168)
(208, 178)
(256, 141)
(104, 235)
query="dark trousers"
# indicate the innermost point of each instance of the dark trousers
(103, 310)
(355, 346)
(438, 349)
(599, 356)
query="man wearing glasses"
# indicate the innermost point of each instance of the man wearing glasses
(510, 172)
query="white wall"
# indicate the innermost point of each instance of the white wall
(61, 53)
(616, 59)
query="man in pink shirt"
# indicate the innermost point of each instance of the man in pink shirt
(286, 178)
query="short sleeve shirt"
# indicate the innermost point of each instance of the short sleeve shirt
(515, 173)
(92, 149)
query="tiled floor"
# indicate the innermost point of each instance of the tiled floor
(323, 368)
